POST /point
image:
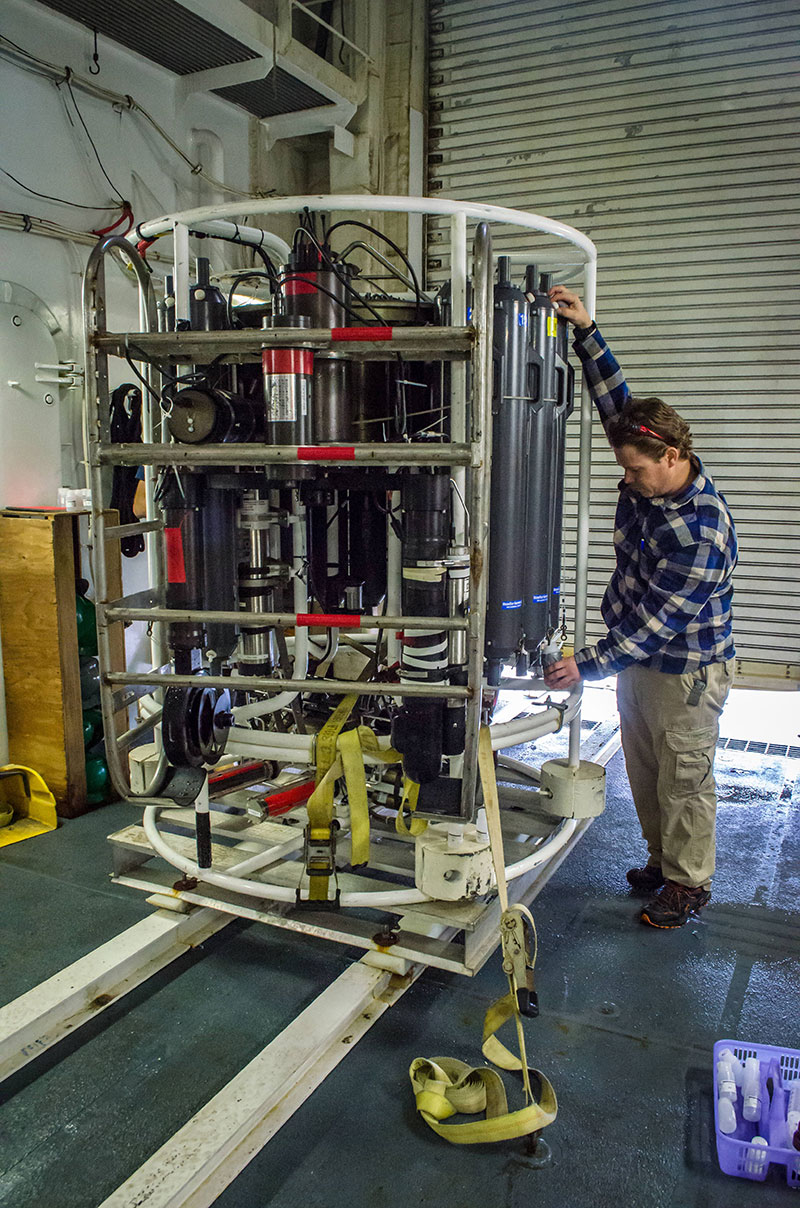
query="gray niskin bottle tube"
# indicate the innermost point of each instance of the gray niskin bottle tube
(539, 519)
(511, 407)
(565, 376)
(418, 725)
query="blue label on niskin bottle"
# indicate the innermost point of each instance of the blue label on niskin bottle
(522, 320)
(469, 313)
(511, 604)
(539, 599)
(556, 591)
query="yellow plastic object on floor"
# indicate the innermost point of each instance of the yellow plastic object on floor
(444, 1086)
(27, 807)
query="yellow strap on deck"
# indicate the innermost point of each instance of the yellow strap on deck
(444, 1086)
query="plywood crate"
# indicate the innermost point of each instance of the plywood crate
(39, 553)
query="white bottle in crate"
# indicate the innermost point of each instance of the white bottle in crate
(735, 1064)
(726, 1114)
(756, 1160)
(726, 1084)
(751, 1090)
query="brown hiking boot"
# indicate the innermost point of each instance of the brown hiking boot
(674, 905)
(645, 880)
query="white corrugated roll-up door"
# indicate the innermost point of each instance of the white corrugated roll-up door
(670, 134)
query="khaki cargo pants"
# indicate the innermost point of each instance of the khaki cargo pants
(669, 747)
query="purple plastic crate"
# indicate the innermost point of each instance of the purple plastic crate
(736, 1155)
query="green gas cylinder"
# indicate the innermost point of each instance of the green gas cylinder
(98, 781)
(87, 630)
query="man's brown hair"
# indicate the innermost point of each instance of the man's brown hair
(651, 426)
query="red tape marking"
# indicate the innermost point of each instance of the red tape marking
(287, 360)
(361, 333)
(176, 566)
(326, 453)
(293, 286)
(329, 620)
(280, 803)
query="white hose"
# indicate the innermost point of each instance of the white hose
(557, 840)
(527, 729)
(522, 769)
(225, 230)
(377, 899)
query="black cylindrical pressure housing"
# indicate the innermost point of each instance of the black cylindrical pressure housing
(511, 407)
(200, 414)
(288, 377)
(426, 515)
(183, 537)
(419, 724)
(319, 296)
(208, 310)
(367, 545)
(219, 567)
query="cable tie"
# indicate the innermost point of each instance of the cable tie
(26, 223)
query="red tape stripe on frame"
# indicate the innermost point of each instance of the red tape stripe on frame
(326, 453)
(361, 333)
(329, 620)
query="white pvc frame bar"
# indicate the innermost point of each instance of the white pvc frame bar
(217, 220)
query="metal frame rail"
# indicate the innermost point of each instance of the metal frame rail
(444, 344)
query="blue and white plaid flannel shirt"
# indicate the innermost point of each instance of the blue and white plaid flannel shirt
(668, 605)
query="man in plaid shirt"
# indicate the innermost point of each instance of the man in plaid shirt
(668, 612)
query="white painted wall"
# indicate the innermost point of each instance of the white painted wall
(45, 147)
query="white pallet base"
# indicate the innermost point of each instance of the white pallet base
(193, 1168)
(38, 1019)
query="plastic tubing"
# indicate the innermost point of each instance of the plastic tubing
(202, 217)
(288, 893)
(522, 769)
(234, 231)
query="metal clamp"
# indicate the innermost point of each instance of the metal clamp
(517, 962)
(65, 373)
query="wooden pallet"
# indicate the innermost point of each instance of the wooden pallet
(420, 933)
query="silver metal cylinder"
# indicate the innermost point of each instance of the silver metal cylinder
(458, 603)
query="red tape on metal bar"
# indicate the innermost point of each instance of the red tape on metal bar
(329, 620)
(326, 453)
(361, 333)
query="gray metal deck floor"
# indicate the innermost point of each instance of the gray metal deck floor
(629, 1017)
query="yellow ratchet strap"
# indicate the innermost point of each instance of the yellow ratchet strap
(410, 797)
(320, 803)
(352, 747)
(444, 1086)
(343, 754)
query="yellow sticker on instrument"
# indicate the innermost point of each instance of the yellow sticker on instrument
(552, 325)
